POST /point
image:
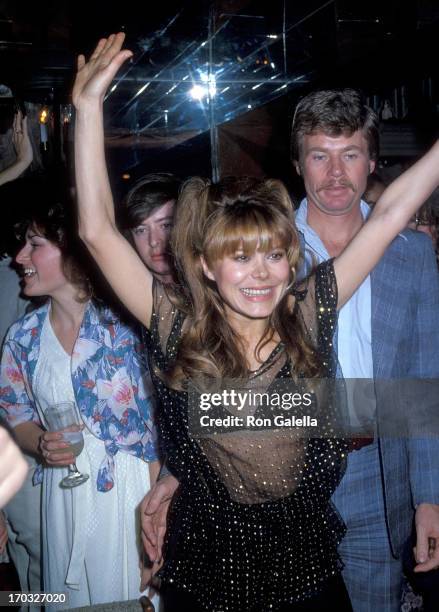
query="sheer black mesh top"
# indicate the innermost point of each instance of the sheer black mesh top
(251, 526)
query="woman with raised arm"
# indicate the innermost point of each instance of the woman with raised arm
(251, 526)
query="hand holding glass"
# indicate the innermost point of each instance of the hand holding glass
(63, 418)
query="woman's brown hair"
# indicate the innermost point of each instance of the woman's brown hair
(213, 221)
(50, 213)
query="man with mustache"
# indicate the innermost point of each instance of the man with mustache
(387, 330)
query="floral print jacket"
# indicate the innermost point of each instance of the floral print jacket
(110, 379)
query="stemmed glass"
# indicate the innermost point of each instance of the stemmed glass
(63, 418)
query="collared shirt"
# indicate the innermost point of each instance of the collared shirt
(354, 329)
(110, 379)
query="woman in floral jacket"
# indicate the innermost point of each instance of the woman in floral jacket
(73, 348)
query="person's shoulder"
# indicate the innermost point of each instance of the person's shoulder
(415, 238)
(28, 324)
(101, 313)
(407, 260)
(411, 244)
(118, 322)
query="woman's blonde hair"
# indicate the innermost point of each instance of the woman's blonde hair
(213, 221)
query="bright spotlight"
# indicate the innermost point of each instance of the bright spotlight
(198, 92)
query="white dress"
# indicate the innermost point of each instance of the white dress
(91, 539)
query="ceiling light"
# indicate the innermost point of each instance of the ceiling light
(197, 92)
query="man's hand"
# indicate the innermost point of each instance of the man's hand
(153, 515)
(94, 77)
(13, 467)
(426, 550)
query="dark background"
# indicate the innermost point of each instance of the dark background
(262, 56)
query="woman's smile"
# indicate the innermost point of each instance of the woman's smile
(251, 285)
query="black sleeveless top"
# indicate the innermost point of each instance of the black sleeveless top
(251, 526)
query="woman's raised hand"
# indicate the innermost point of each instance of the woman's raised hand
(94, 77)
(21, 140)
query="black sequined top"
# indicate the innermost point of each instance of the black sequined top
(251, 526)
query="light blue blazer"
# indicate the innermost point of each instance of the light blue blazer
(405, 344)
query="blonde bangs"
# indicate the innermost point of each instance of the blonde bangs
(247, 229)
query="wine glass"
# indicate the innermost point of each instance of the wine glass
(63, 417)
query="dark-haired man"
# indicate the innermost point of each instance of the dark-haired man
(147, 214)
(388, 329)
(146, 218)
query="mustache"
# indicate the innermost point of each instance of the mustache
(332, 184)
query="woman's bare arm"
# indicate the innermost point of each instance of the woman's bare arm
(124, 270)
(390, 215)
(23, 149)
